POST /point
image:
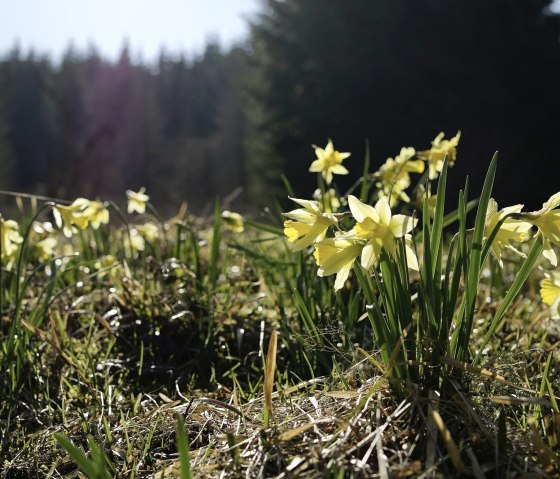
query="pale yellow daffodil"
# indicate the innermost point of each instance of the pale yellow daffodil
(97, 214)
(149, 231)
(233, 221)
(394, 175)
(71, 217)
(134, 241)
(378, 227)
(137, 201)
(440, 149)
(43, 229)
(550, 293)
(106, 264)
(336, 256)
(329, 162)
(510, 230)
(45, 248)
(306, 225)
(547, 220)
(10, 238)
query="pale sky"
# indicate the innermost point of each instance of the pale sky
(178, 25)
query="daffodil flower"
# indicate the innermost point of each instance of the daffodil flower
(550, 293)
(45, 248)
(336, 256)
(441, 148)
(378, 227)
(10, 238)
(233, 221)
(149, 231)
(134, 241)
(97, 214)
(137, 201)
(43, 229)
(547, 220)
(329, 161)
(394, 175)
(510, 230)
(106, 264)
(71, 217)
(306, 225)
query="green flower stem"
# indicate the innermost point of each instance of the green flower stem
(19, 267)
(123, 218)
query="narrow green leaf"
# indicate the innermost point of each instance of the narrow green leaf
(287, 185)
(478, 234)
(437, 226)
(303, 311)
(215, 248)
(264, 227)
(183, 448)
(87, 466)
(475, 265)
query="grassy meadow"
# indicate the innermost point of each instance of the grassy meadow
(393, 330)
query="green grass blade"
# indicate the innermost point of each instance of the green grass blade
(87, 466)
(215, 250)
(475, 265)
(457, 344)
(437, 225)
(303, 311)
(183, 448)
(264, 227)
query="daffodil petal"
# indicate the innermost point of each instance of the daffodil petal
(549, 253)
(339, 170)
(550, 291)
(370, 255)
(553, 202)
(402, 224)
(411, 258)
(384, 210)
(303, 216)
(360, 211)
(342, 275)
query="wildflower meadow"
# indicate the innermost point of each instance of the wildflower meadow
(397, 329)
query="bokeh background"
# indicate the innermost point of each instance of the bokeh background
(202, 99)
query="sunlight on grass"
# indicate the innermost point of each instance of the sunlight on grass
(368, 332)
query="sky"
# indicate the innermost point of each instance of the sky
(49, 26)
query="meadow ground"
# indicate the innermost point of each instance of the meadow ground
(355, 336)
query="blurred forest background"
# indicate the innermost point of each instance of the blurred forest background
(394, 72)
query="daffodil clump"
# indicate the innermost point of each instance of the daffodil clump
(79, 215)
(440, 150)
(43, 241)
(391, 243)
(376, 228)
